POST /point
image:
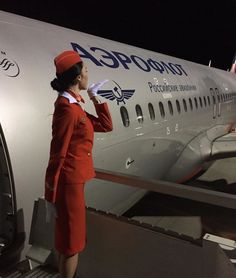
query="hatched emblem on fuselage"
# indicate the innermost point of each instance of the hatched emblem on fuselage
(118, 94)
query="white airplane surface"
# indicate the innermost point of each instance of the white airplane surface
(171, 117)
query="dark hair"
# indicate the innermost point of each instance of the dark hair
(67, 78)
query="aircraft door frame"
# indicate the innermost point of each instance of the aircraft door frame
(8, 208)
(219, 102)
(214, 100)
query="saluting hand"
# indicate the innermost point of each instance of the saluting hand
(93, 88)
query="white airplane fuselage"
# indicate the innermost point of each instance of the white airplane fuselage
(166, 112)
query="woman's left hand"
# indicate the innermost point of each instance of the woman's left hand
(51, 211)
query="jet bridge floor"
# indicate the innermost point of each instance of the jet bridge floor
(42, 271)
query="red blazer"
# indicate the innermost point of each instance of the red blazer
(72, 142)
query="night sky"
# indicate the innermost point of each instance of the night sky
(197, 31)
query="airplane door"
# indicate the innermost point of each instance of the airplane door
(213, 95)
(8, 211)
(218, 102)
(7, 205)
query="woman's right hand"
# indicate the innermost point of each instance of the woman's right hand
(94, 88)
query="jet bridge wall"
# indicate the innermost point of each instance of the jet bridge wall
(120, 247)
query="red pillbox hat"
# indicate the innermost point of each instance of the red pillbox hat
(66, 60)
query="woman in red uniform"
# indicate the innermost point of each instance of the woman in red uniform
(70, 163)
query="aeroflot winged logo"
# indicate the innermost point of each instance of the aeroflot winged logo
(8, 66)
(117, 93)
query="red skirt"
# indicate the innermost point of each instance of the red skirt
(70, 228)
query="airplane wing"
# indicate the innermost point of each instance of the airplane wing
(224, 147)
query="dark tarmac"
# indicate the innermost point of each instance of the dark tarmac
(189, 217)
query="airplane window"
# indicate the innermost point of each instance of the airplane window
(162, 110)
(190, 103)
(196, 104)
(151, 111)
(185, 105)
(178, 106)
(124, 116)
(205, 102)
(139, 113)
(170, 107)
(200, 101)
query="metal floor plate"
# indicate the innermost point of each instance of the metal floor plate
(40, 271)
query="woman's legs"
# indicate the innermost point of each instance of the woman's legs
(68, 265)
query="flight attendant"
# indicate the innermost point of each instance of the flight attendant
(70, 164)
